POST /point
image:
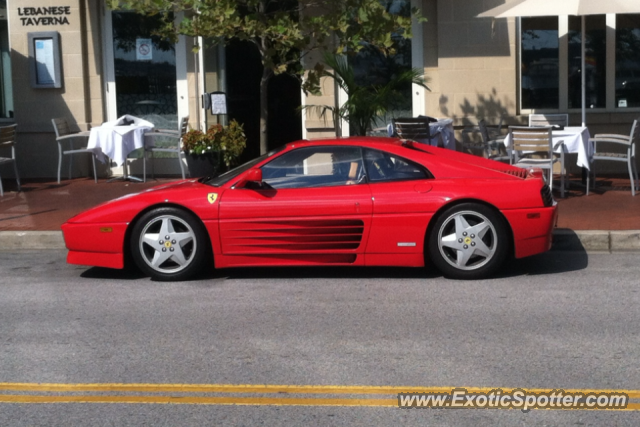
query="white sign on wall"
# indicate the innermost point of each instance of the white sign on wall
(218, 103)
(144, 50)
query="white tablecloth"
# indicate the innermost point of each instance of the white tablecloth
(446, 137)
(116, 141)
(576, 140)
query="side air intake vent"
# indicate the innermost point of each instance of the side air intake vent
(521, 173)
(292, 236)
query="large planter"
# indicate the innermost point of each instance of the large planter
(203, 165)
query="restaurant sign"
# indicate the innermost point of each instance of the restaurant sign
(54, 15)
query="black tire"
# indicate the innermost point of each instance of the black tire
(178, 257)
(469, 241)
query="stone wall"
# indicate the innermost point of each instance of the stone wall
(80, 99)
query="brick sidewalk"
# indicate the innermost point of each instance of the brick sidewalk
(45, 205)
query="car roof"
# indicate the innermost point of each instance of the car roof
(369, 141)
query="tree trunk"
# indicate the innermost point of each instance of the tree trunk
(263, 46)
(264, 109)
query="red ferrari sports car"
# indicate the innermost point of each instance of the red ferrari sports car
(355, 201)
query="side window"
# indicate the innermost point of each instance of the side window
(324, 166)
(382, 167)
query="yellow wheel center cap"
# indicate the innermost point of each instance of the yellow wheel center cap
(467, 240)
(167, 244)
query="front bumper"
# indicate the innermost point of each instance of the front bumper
(99, 245)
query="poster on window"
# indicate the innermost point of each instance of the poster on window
(144, 50)
(45, 71)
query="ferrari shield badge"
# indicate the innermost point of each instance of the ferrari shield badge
(212, 197)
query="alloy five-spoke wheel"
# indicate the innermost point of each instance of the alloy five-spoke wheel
(468, 241)
(168, 244)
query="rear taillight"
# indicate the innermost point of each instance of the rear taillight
(537, 173)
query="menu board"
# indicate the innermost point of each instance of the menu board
(45, 68)
(45, 71)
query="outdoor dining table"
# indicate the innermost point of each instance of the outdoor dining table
(117, 138)
(443, 129)
(575, 139)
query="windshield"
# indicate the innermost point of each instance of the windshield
(229, 175)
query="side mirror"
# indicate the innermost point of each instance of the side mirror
(250, 179)
(254, 175)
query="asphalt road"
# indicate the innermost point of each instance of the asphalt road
(558, 320)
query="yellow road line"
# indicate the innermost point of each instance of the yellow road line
(271, 388)
(62, 395)
(199, 400)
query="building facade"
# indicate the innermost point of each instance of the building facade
(111, 64)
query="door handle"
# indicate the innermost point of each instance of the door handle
(422, 188)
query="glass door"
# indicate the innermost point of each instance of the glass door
(141, 70)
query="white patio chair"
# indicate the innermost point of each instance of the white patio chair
(63, 134)
(176, 147)
(537, 120)
(604, 149)
(8, 140)
(533, 147)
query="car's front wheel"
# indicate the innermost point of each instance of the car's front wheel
(169, 244)
(469, 241)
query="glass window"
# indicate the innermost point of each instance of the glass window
(235, 172)
(6, 88)
(539, 68)
(595, 61)
(627, 61)
(382, 166)
(315, 167)
(373, 69)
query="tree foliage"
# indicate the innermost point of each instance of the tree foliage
(284, 31)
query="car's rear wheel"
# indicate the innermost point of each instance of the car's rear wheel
(169, 244)
(469, 241)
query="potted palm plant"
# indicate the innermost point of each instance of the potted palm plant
(365, 102)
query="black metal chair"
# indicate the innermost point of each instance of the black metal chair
(8, 139)
(416, 128)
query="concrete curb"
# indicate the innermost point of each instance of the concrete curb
(564, 239)
(18, 240)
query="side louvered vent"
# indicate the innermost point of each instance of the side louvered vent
(520, 173)
(299, 236)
